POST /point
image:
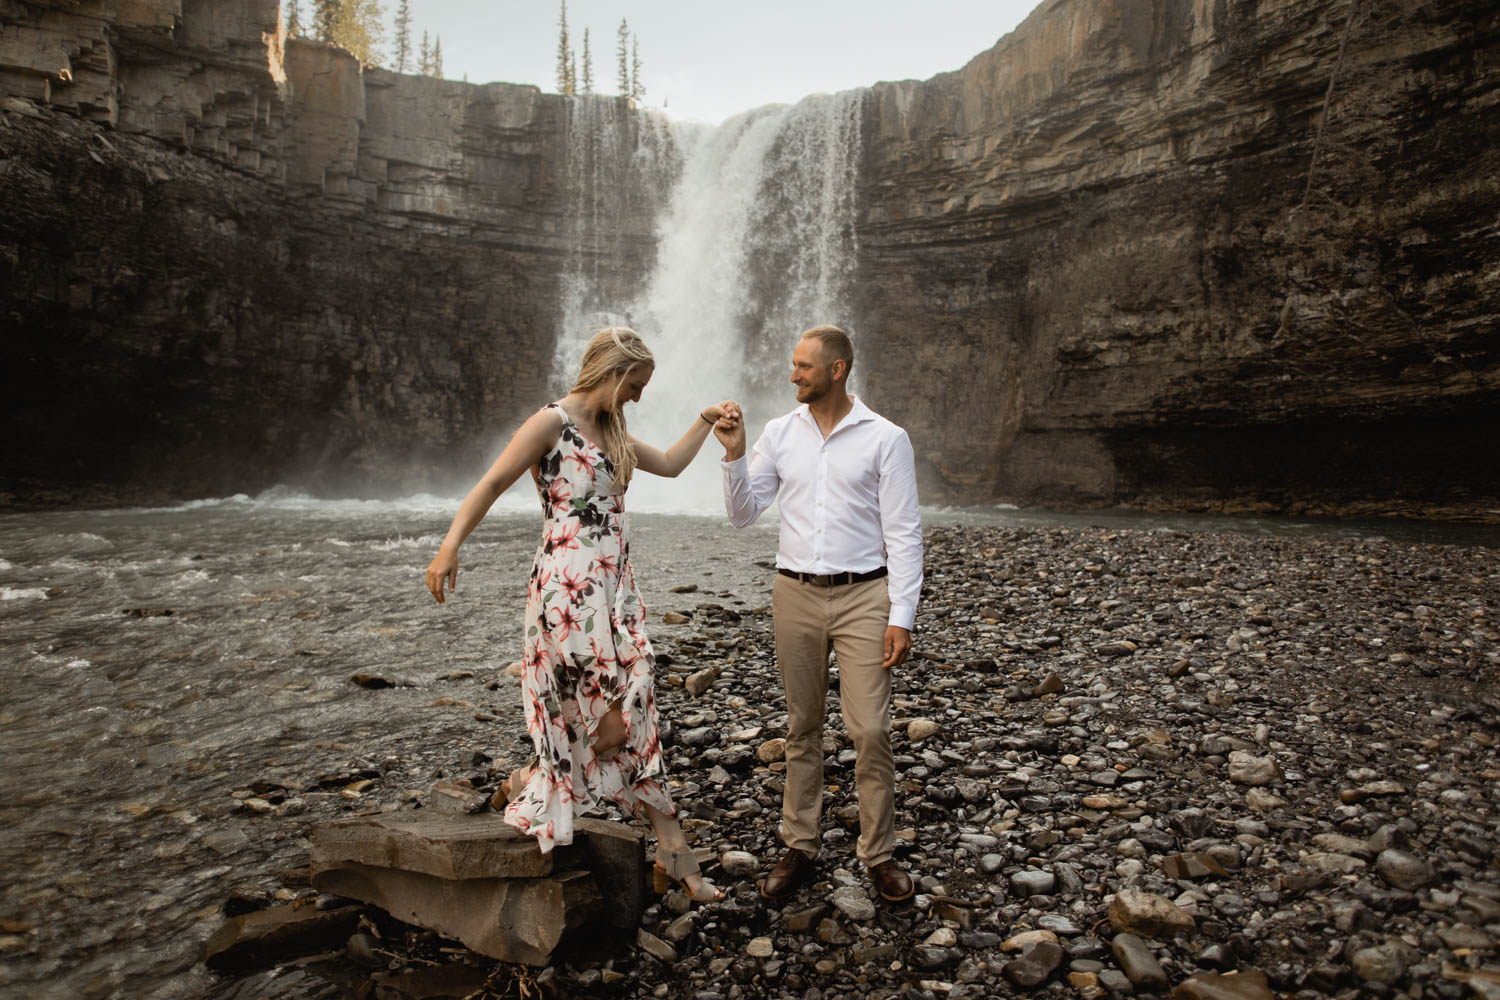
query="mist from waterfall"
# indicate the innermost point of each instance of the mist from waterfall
(754, 243)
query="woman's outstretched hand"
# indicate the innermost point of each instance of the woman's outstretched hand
(718, 413)
(442, 569)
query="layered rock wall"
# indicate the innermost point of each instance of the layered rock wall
(229, 260)
(1100, 264)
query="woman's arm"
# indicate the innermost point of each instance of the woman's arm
(531, 441)
(671, 462)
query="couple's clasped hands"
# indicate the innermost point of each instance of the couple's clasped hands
(729, 427)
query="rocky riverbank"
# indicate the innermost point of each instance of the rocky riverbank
(1290, 741)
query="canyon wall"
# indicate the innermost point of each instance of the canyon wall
(1217, 254)
(1100, 264)
(229, 259)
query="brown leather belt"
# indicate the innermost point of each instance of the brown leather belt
(833, 579)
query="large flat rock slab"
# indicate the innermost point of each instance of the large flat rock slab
(513, 920)
(477, 879)
(444, 845)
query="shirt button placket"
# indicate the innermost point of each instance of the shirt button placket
(820, 519)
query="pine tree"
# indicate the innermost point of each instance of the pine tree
(358, 27)
(637, 88)
(325, 13)
(353, 25)
(403, 35)
(424, 56)
(437, 56)
(622, 50)
(588, 65)
(565, 78)
(294, 18)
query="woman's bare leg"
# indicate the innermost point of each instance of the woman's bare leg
(609, 735)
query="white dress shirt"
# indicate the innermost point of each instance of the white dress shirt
(848, 502)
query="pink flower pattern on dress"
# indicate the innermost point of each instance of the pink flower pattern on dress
(586, 649)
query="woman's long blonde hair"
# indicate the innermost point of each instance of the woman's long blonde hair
(613, 353)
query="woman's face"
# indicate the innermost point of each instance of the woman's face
(633, 384)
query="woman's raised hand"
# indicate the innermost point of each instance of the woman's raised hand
(442, 569)
(723, 415)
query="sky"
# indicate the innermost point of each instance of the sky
(708, 60)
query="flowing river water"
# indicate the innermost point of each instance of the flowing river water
(160, 662)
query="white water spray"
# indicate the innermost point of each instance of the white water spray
(755, 244)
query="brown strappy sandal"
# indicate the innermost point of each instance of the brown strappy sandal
(512, 785)
(674, 867)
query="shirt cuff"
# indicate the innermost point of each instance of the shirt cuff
(739, 468)
(903, 616)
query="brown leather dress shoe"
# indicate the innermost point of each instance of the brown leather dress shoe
(790, 872)
(891, 882)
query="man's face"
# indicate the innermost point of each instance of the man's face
(811, 374)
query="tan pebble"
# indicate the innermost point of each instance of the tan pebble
(1021, 941)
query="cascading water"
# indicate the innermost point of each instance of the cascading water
(755, 244)
(621, 168)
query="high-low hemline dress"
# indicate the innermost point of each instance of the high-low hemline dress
(585, 650)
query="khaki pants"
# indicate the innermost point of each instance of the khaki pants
(852, 620)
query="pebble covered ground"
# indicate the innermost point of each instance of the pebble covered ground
(1126, 761)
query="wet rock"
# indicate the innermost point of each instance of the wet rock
(1035, 965)
(771, 751)
(1404, 870)
(1137, 962)
(1249, 985)
(1148, 915)
(1025, 939)
(918, 730)
(453, 797)
(656, 947)
(739, 864)
(853, 903)
(1383, 964)
(1192, 866)
(266, 937)
(700, 681)
(361, 949)
(1248, 769)
(761, 947)
(1032, 883)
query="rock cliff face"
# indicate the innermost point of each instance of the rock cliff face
(1172, 253)
(1216, 254)
(228, 260)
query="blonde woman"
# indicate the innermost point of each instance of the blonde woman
(587, 687)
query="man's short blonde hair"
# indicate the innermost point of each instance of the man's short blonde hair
(835, 344)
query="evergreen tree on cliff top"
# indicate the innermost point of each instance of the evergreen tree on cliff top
(637, 88)
(424, 56)
(566, 77)
(403, 35)
(353, 25)
(437, 56)
(293, 18)
(588, 65)
(622, 52)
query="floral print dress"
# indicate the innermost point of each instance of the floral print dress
(585, 651)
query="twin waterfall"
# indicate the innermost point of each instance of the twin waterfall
(718, 245)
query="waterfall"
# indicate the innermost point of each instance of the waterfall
(754, 242)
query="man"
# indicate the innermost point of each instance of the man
(849, 571)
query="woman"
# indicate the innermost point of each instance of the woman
(587, 687)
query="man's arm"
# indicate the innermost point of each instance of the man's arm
(901, 528)
(750, 485)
